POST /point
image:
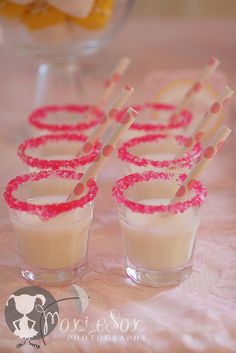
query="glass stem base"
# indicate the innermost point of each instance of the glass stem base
(58, 83)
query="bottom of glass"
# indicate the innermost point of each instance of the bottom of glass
(53, 277)
(159, 279)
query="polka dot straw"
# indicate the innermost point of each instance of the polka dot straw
(204, 125)
(93, 170)
(108, 119)
(111, 82)
(208, 154)
(196, 87)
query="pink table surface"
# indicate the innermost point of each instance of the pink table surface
(200, 314)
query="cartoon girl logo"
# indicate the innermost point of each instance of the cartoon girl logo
(31, 313)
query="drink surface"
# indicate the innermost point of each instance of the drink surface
(159, 156)
(59, 157)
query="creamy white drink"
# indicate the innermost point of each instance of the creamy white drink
(53, 244)
(159, 242)
(52, 233)
(158, 236)
(159, 156)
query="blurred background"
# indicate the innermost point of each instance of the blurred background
(163, 38)
(179, 35)
(185, 8)
(160, 37)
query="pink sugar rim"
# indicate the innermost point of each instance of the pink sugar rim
(38, 116)
(49, 210)
(178, 207)
(185, 161)
(41, 163)
(184, 119)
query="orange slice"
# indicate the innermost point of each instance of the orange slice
(10, 10)
(98, 17)
(40, 15)
(174, 92)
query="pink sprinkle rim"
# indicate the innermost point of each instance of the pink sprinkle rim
(183, 121)
(41, 163)
(49, 210)
(178, 207)
(38, 117)
(185, 161)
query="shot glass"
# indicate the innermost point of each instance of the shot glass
(158, 152)
(158, 238)
(52, 234)
(57, 151)
(155, 118)
(65, 118)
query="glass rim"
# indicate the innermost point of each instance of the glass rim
(47, 211)
(185, 117)
(184, 161)
(42, 163)
(130, 180)
(38, 116)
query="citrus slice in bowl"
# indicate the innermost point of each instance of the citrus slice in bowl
(10, 10)
(42, 15)
(98, 17)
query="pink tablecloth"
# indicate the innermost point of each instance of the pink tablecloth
(197, 316)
